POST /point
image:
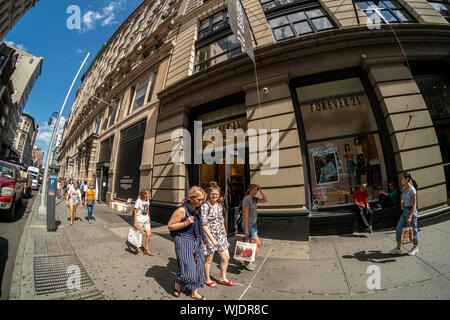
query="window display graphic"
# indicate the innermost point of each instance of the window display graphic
(325, 164)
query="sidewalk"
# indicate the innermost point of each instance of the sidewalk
(331, 267)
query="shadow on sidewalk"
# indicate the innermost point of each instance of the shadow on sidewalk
(3, 259)
(353, 236)
(373, 256)
(164, 276)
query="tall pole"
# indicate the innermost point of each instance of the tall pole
(43, 207)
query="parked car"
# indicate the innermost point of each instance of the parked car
(34, 177)
(12, 186)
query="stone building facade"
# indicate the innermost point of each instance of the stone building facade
(354, 101)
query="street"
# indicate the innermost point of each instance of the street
(10, 233)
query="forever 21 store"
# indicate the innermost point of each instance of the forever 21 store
(347, 114)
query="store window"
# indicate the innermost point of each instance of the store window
(343, 143)
(443, 6)
(128, 168)
(143, 92)
(385, 12)
(216, 42)
(289, 19)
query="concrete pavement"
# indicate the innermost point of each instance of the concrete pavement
(329, 267)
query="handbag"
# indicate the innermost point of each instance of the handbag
(407, 235)
(135, 238)
(245, 251)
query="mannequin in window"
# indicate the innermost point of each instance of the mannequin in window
(351, 167)
(360, 163)
(327, 171)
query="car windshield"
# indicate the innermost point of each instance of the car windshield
(7, 171)
(34, 176)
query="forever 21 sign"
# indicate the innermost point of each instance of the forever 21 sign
(240, 26)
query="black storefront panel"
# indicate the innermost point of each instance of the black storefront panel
(129, 160)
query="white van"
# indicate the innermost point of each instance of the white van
(34, 177)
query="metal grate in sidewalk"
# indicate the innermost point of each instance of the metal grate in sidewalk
(51, 274)
(93, 294)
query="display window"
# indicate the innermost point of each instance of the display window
(342, 140)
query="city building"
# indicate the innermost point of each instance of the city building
(25, 138)
(358, 94)
(37, 156)
(11, 12)
(8, 112)
(28, 70)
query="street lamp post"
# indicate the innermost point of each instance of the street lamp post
(43, 207)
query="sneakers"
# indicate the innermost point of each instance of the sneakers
(395, 251)
(413, 251)
(250, 266)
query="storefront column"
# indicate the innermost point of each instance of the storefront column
(169, 179)
(416, 149)
(285, 189)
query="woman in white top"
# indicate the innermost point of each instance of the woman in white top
(72, 200)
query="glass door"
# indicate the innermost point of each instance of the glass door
(232, 177)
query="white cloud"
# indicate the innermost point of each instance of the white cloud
(45, 134)
(79, 51)
(106, 16)
(46, 131)
(16, 45)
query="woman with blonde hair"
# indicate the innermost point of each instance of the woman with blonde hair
(73, 198)
(216, 236)
(186, 224)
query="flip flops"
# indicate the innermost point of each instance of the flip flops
(176, 292)
(229, 283)
(211, 284)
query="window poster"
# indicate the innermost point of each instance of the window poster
(325, 164)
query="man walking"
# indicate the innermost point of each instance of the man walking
(361, 199)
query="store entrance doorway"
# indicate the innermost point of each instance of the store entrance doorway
(232, 176)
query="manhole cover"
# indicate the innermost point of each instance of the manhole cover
(51, 274)
(94, 294)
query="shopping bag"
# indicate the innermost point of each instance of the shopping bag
(245, 251)
(407, 235)
(135, 238)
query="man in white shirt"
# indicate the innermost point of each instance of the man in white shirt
(141, 216)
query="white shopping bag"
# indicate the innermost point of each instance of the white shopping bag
(245, 251)
(135, 238)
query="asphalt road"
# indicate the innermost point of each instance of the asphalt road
(10, 233)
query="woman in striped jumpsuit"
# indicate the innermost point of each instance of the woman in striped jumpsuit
(186, 224)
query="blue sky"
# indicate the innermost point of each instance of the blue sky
(43, 32)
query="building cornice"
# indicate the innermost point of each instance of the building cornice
(317, 43)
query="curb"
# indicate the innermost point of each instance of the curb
(14, 292)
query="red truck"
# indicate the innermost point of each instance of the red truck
(12, 187)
